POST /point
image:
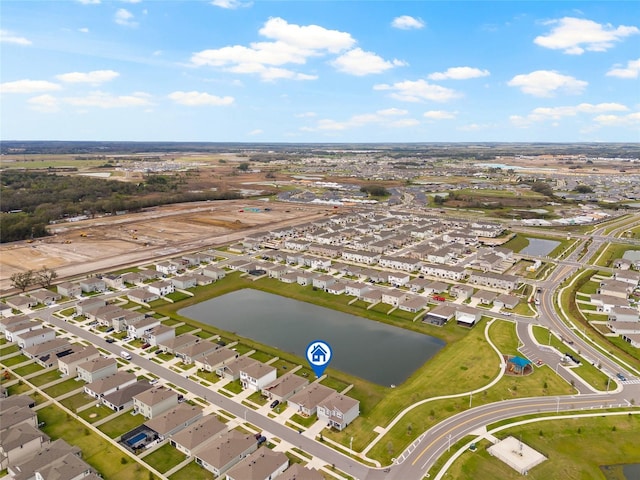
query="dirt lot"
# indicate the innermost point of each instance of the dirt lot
(119, 240)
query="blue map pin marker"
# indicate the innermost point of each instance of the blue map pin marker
(319, 355)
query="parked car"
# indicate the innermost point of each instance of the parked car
(621, 377)
(261, 440)
(111, 340)
(153, 381)
(109, 330)
(275, 403)
(145, 346)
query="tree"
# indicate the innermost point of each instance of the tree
(45, 276)
(22, 280)
(243, 167)
(542, 187)
(583, 189)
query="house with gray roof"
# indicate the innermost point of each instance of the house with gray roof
(284, 387)
(306, 401)
(226, 451)
(154, 402)
(338, 410)
(19, 443)
(68, 365)
(198, 435)
(109, 384)
(263, 464)
(123, 398)
(257, 375)
(97, 368)
(174, 420)
(216, 359)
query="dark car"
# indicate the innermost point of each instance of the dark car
(261, 440)
(109, 330)
(275, 403)
(621, 377)
(145, 346)
(111, 340)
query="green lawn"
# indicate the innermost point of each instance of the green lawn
(184, 329)
(192, 471)
(612, 252)
(63, 387)
(45, 378)
(177, 296)
(19, 388)
(10, 362)
(164, 458)
(258, 398)
(210, 377)
(11, 348)
(95, 413)
(304, 421)
(76, 401)
(28, 369)
(504, 336)
(574, 447)
(107, 459)
(233, 387)
(261, 356)
(121, 424)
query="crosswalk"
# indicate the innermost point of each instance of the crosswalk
(632, 381)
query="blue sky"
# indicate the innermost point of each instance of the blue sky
(319, 71)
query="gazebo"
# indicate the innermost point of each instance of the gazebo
(518, 365)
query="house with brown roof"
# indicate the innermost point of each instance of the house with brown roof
(159, 334)
(263, 464)
(439, 315)
(231, 370)
(20, 302)
(306, 401)
(123, 398)
(69, 289)
(46, 354)
(58, 460)
(413, 303)
(154, 402)
(174, 420)
(13, 320)
(191, 353)
(216, 359)
(97, 368)
(257, 375)
(34, 337)
(45, 297)
(338, 410)
(142, 295)
(226, 451)
(68, 365)
(171, 345)
(109, 384)
(284, 387)
(199, 435)
(298, 472)
(19, 443)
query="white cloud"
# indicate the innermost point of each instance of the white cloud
(575, 35)
(83, 30)
(94, 77)
(8, 37)
(419, 90)
(89, 2)
(406, 22)
(630, 120)
(230, 4)
(542, 114)
(306, 115)
(475, 127)
(392, 112)
(130, 1)
(381, 117)
(28, 86)
(631, 71)
(125, 18)
(459, 73)
(106, 100)
(257, 131)
(308, 37)
(545, 83)
(194, 99)
(439, 115)
(358, 62)
(44, 103)
(292, 44)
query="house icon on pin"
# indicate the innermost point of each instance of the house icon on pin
(318, 354)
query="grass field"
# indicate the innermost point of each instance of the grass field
(192, 471)
(63, 387)
(165, 458)
(574, 447)
(28, 369)
(108, 460)
(121, 424)
(76, 401)
(45, 378)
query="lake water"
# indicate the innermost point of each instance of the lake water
(539, 246)
(380, 353)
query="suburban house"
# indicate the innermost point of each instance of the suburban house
(263, 464)
(109, 384)
(154, 402)
(494, 280)
(504, 300)
(439, 315)
(171, 345)
(338, 410)
(90, 305)
(392, 296)
(15, 320)
(216, 359)
(484, 297)
(215, 273)
(123, 398)
(141, 295)
(356, 289)
(306, 401)
(159, 334)
(56, 460)
(190, 353)
(185, 281)
(113, 281)
(298, 472)
(69, 365)
(605, 303)
(323, 281)
(28, 337)
(224, 452)
(47, 353)
(284, 387)
(19, 443)
(337, 288)
(359, 256)
(467, 316)
(405, 264)
(167, 268)
(45, 297)
(161, 288)
(257, 375)
(461, 291)
(615, 288)
(20, 302)
(198, 435)
(69, 289)
(623, 314)
(436, 287)
(97, 368)
(398, 279)
(372, 295)
(93, 284)
(174, 420)
(413, 303)
(138, 328)
(632, 278)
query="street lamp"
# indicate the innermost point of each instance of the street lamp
(558, 405)
(470, 397)
(449, 447)
(351, 444)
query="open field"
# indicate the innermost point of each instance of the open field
(114, 241)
